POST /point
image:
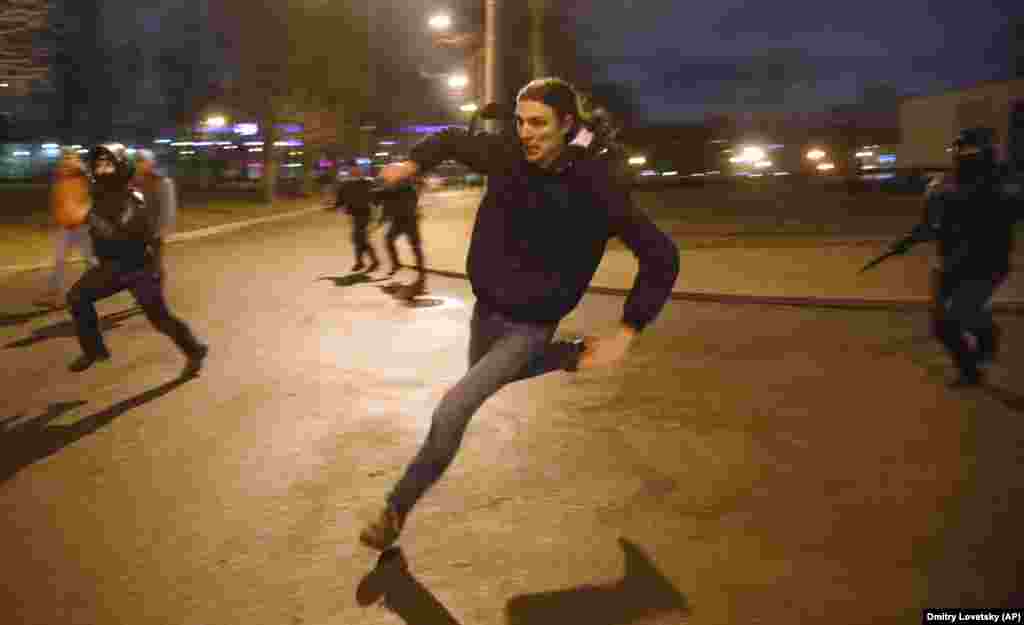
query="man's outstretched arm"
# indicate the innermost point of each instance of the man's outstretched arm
(658, 258)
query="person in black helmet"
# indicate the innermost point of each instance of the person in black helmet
(356, 195)
(970, 216)
(127, 243)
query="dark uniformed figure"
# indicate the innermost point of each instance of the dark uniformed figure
(126, 239)
(400, 206)
(356, 195)
(971, 216)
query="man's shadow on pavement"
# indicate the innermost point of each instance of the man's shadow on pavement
(24, 442)
(16, 319)
(1008, 398)
(402, 294)
(353, 279)
(67, 328)
(641, 593)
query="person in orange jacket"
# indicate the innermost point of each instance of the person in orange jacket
(69, 203)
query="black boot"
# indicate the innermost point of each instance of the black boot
(968, 378)
(85, 361)
(574, 351)
(195, 362)
(988, 343)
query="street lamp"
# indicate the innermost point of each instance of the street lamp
(458, 81)
(441, 21)
(216, 121)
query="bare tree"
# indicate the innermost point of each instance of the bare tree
(298, 58)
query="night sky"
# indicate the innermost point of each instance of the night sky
(682, 60)
(688, 58)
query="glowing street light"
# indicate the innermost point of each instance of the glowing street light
(217, 121)
(441, 21)
(638, 160)
(815, 155)
(458, 81)
(468, 108)
(752, 154)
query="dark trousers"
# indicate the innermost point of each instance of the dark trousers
(361, 239)
(501, 351)
(147, 288)
(410, 227)
(962, 307)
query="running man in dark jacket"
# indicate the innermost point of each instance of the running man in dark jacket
(356, 195)
(126, 238)
(539, 236)
(400, 206)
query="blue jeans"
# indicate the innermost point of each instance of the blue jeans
(65, 239)
(501, 351)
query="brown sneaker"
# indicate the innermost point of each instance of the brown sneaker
(380, 534)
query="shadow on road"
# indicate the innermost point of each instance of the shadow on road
(16, 319)
(402, 593)
(642, 593)
(405, 294)
(1008, 398)
(24, 443)
(353, 279)
(67, 328)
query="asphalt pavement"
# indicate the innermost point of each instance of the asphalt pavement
(745, 464)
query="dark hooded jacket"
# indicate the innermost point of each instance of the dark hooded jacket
(125, 232)
(540, 234)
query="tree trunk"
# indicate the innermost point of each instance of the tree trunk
(538, 58)
(310, 156)
(269, 157)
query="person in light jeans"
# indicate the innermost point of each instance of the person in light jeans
(69, 202)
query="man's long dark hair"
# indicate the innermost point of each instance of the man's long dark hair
(566, 99)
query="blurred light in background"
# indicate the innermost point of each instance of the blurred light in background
(458, 81)
(816, 155)
(826, 166)
(637, 160)
(440, 21)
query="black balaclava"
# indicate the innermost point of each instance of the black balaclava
(122, 174)
(974, 156)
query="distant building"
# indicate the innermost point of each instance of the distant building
(24, 62)
(929, 123)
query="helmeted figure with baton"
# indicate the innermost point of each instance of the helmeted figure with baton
(971, 216)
